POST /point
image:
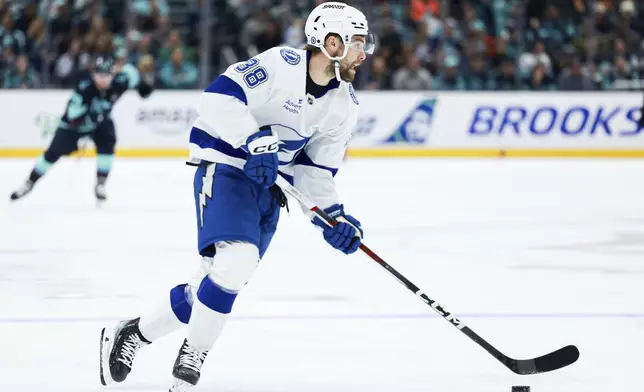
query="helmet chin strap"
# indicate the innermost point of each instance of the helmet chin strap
(336, 60)
(336, 66)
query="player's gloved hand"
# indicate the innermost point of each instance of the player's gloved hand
(262, 162)
(346, 235)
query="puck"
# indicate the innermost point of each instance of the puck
(520, 389)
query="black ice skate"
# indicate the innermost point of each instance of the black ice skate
(23, 190)
(119, 346)
(187, 367)
(100, 193)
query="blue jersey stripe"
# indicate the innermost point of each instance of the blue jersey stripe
(205, 140)
(304, 160)
(226, 86)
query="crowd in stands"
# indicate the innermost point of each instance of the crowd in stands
(535, 45)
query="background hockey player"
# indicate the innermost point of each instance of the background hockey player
(285, 109)
(88, 114)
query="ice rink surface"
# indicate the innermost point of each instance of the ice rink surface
(531, 254)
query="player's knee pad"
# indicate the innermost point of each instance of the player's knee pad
(233, 264)
(204, 269)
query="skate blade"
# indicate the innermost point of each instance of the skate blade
(107, 336)
(180, 386)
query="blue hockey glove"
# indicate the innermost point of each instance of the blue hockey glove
(346, 236)
(262, 162)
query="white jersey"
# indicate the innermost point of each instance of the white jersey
(270, 90)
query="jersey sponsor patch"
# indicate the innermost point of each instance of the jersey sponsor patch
(290, 56)
(352, 93)
(293, 107)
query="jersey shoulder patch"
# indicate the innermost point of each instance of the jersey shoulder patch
(290, 56)
(352, 93)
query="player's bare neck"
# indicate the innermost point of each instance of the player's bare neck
(318, 69)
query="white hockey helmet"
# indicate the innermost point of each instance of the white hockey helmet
(341, 19)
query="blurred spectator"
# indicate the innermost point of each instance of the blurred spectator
(68, 65)
(422, 44)
(453, 39)
(629, 27)
(378, 78)
(539, 79)
(413, 76)
(478, 77)
(419, 9)
(451, 78)
(152, 15)
(142, 45)
(38, 50)
(553, 30)
(392, 41)
(506, 77)
(178, 73)
(8, 60)
(605, 17)
(294, 34)
(574, 79)
(21, 75)
(89, 15)
(621, 76)
(270, 37)
(173, 42)
(529, 60)
(12, 38)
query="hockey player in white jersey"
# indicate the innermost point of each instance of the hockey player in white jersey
(284, 112)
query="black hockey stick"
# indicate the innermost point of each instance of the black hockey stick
(555, 360)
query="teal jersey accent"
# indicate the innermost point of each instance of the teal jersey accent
(88, 107)
(76, 106)
(132, 74)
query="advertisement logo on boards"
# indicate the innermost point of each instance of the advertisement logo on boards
(416, 127)
(165, 120)
(581, 120)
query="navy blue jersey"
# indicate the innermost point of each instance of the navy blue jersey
(89, 106)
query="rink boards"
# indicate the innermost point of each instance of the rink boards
(391, 124)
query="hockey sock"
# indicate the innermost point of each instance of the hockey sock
(209, 314)
(167, 319)
(42, 166)
(103, 166)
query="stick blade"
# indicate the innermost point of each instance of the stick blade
(555, 360)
